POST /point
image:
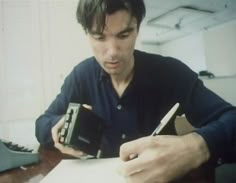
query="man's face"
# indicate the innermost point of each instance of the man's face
(113, 48)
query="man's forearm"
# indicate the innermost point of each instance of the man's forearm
(43, 128)
(198, 148)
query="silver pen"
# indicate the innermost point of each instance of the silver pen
(165, 119)
(161, 125)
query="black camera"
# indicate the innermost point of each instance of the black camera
(82, 129)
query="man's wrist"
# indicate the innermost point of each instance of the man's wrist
(198, 148)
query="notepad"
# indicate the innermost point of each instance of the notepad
(86, 171)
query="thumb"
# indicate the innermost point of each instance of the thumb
(87, 106)
(132, 149)
(56, 128)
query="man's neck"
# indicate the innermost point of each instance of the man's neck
(121, 82)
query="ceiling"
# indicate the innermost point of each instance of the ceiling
(171, 19)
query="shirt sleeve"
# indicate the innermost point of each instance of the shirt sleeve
(70, 92)
(213, 117)
(217, 124)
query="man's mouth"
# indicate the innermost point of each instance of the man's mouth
(113, 64)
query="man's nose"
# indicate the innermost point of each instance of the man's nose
(113, 48)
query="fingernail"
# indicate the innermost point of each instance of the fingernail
(133, 156)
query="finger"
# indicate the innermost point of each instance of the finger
(87, 106)
(55, 130)
(134, 174)
(138, 177)
(132, 167)
(69, 150)
(151, 174)
(132, 149)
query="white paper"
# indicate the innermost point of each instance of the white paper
(86, 171)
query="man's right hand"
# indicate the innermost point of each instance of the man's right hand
(64, 149)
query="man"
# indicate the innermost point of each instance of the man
(132, 90)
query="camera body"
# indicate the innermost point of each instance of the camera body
(82, 129)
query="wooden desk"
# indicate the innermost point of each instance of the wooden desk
(51, 157)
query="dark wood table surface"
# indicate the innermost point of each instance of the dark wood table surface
(51, 157)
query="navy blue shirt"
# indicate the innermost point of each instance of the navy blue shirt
(158, 83)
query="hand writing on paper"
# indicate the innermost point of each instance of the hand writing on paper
(162, 158)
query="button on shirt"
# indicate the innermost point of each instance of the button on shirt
(119, 107)
(123, 115)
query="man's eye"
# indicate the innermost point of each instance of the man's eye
(99, 37)
(123, 36)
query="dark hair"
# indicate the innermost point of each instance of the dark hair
(90, 11)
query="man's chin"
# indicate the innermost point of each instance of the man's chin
(112, 71)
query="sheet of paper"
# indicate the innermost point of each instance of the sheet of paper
(86, 171)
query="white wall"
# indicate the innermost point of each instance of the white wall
(151, 48)
(220, 49)
(212, 50)
(21, 86)
(189, 49)
(224, 87)
(41, 42)
(64, 44)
